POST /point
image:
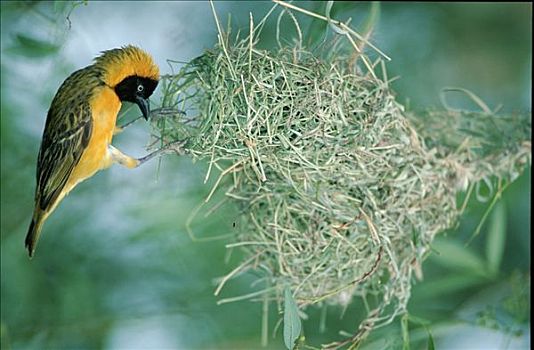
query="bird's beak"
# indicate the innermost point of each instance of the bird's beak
(144, 106)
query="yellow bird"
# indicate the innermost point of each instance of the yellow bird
(80, 126)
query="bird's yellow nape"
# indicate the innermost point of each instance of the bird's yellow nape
(118, 64)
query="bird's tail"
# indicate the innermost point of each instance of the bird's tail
(33, 233)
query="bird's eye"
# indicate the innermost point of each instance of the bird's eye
(140, 88)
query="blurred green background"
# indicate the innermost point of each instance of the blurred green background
(115, 267)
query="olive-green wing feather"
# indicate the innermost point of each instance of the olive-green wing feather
(58, 156)
(61, 149)
(66, 135)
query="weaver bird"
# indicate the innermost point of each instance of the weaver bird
(80, 126)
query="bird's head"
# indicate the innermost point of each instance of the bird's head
(132, 73)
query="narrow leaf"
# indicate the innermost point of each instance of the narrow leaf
(405, 333)
(496, 238)
(31, 47)
(448, 284)
(292, 324)
(455, 255)
(430, 342)
(372, 18)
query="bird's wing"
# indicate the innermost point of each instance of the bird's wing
(66, 136)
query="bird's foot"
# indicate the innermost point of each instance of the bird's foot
(172, 147)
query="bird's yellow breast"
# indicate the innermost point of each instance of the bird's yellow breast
(105, 106)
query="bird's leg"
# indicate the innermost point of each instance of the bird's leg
(175, 147)
(130, 162)
(121, 158)
(117, 130)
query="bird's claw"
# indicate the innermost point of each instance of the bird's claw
(174, 147)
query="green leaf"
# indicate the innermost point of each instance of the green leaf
(292, 324)
(496, 238)
(372, 18)
(448, 284)
(430, 342)
(405, 333)
(31, 47)
(454, 255)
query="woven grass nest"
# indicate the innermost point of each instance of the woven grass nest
(341, 191)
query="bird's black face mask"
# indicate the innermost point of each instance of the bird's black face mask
(137, 90)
